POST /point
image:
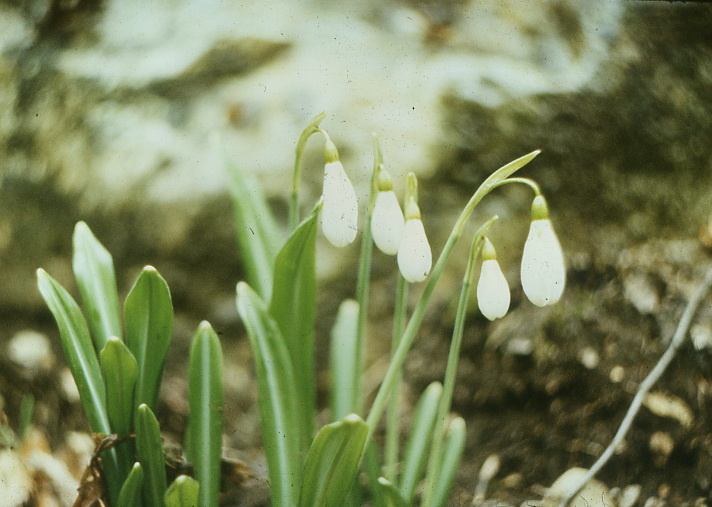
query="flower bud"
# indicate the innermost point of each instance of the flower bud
(543, 268)
(493, 295)
(387, 220)
(339, 214)
(414, 256)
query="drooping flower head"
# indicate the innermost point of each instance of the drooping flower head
(414, 256)
(387, 221)
(339, 215)
(543, 268)
(493, 295)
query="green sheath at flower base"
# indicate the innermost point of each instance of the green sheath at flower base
(543, 267)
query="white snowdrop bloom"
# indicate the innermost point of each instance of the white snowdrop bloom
(387, 222)
(414, 256)
(493, 295)
(543, 268)
(339, 214)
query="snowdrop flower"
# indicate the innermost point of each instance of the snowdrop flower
(387, 221)
(492, 289)
(414, 256)
(339, 215)
(543, 269)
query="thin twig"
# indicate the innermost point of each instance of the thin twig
(677, 340)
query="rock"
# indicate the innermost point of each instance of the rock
(593, 494)
(666, 405)
(32, 351)
(629, 496)
(15, 480)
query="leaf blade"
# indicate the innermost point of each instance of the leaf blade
(130, 495)
(278, 411)
(94, 271)
(148, 314)
(205, 397)
(418, 445)
(333, 461)
(452, 454)
(78, 350)
(149, 448)
(120, 372)
(258, 235)
(293, 307)
(183, 492)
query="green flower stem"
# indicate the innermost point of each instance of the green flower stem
(393, 417)
(416, 319)
(312, 128)
(364, 281)
(436, 451)
(525, 181)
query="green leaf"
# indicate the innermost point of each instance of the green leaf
(258, 236)
(84, 365)
(333, 461)
(94, 272)
(130, 495)
(149, 448)
(390, 494)
(421, 433)
(148, 312)
(78, 350)
(205, 396)
(452, 454)
(344, 374)
(120, 371)
(184, 492)
(278, 409)
(293, 307)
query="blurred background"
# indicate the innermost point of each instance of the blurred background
(113, 112)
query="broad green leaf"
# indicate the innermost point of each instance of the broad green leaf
(278, 409)
(148, 312)
(421, 433)
(120, 371)
(84, 365)
(333, 461)
(205, 397)
(149, 448)
(452, 454)
(389, 494)
(130, 495)
(184, 492)
(344, 374)
(258, 235)
(78, 350)
(94, 272)
(293, 307)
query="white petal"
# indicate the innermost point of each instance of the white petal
(414, 256)
(387, 222)
(543, 269)
(492, 291)
(339, 215)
